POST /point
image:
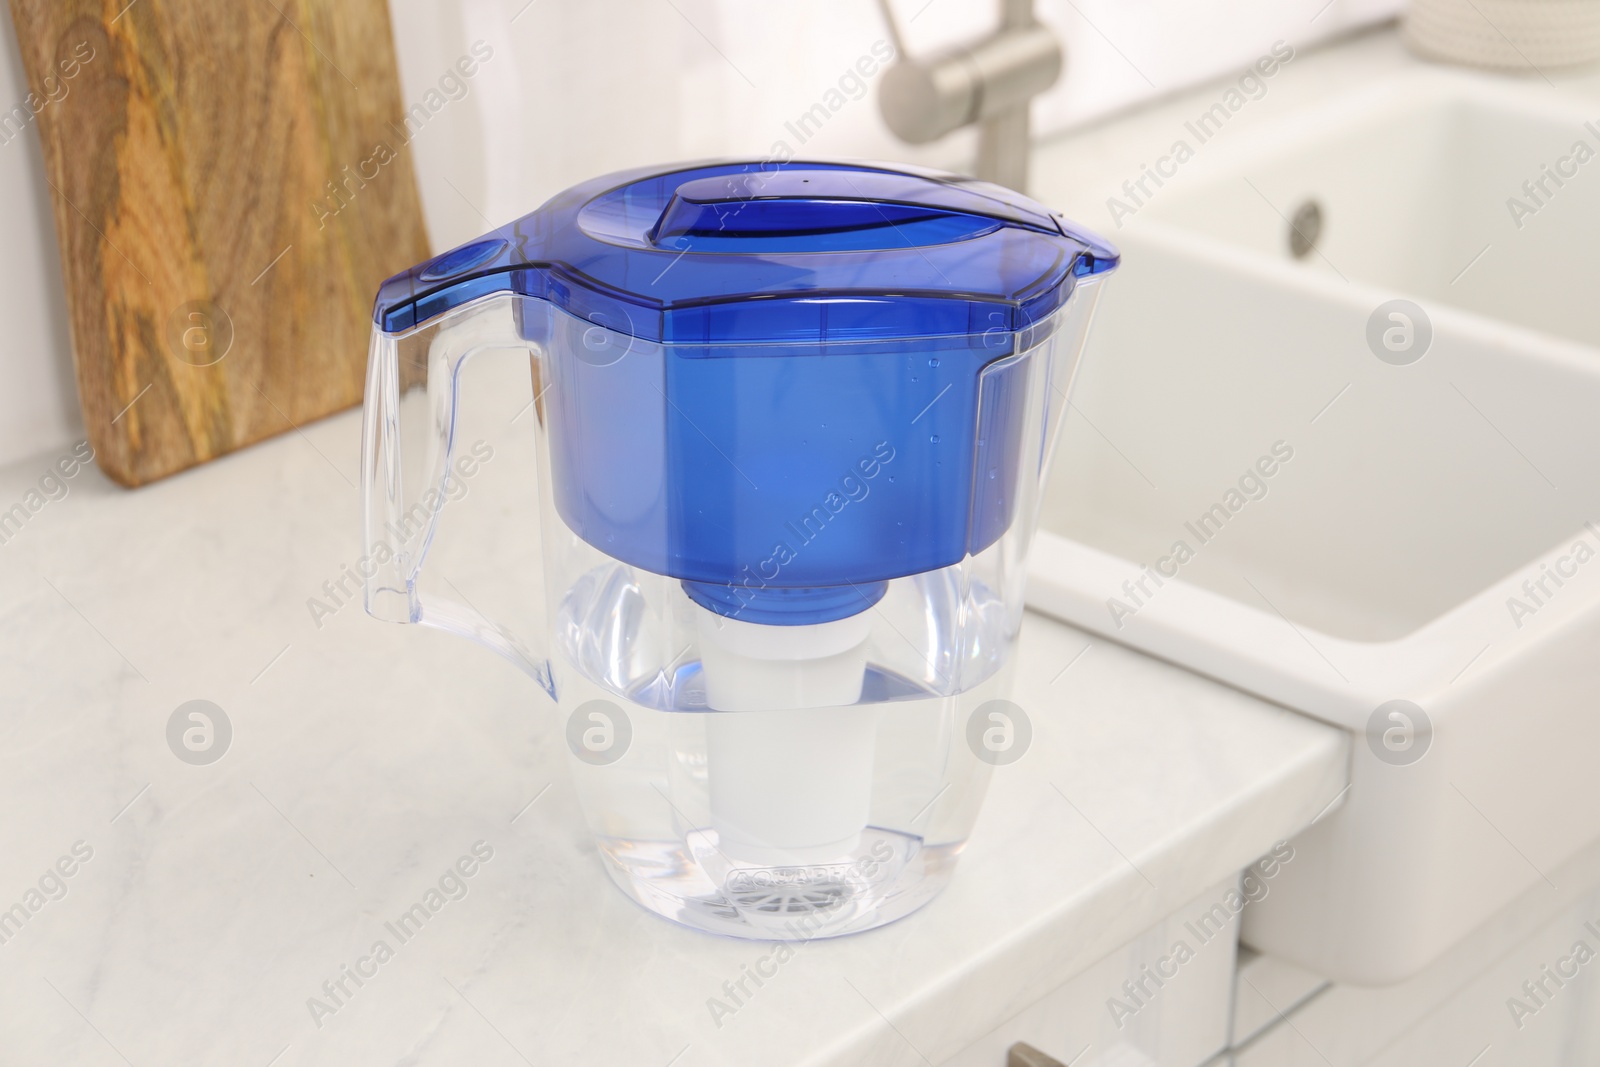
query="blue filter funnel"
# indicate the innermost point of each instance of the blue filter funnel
(782, 384)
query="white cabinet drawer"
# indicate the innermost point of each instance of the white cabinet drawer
(1162, 1000)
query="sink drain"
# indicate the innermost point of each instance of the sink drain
(1305, 229)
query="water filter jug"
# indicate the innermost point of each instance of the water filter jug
(792, 421)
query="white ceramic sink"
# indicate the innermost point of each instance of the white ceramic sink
(1403, 544)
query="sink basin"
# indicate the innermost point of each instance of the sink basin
(1276, 475)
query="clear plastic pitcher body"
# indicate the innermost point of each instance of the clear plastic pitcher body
(782, 578)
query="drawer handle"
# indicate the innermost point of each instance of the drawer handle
(1022, 1055)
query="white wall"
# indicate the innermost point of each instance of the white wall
(579, 87)
(38, 397)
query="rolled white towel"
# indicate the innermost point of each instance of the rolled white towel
(1510, 35)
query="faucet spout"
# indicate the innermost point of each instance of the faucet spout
(989, 83)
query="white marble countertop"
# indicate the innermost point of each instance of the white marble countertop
(366, 759)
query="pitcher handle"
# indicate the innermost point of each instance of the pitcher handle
(399, 535)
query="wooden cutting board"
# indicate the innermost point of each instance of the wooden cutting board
(231, 182)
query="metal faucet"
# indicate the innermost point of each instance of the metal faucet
(989, 83)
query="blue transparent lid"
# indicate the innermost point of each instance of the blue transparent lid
(751, 252)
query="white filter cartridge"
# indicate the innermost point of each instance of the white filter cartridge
(789, 751)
